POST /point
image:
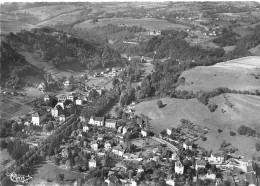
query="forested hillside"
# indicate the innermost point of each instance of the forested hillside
(246, 43)
(13, 66)
(56, 48)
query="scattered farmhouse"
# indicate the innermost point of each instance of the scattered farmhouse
(38, 117)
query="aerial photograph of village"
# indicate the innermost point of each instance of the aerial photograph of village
(131, 93)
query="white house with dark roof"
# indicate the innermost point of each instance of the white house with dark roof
(110, 123)
(46, 98)
(66, 83)
(144, 133)
(85, 128)
(200, 164)
(79, 101)
(70, 97)
(119, 130)
(99, 121)
(217, 157)
(124, 130)
(38, 117)
(107, 145)
(179, 168)
(92, 163)
(61, 98)
(94, 145)
(187, 145)
(62, 118)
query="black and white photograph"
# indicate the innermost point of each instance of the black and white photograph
(130, 93)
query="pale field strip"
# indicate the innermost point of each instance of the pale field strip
(245, 62)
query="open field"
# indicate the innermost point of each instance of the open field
(148, 23)
(5, 159)
(62, 19)
(245, 111)
(12, 108)
(234, 74)
(256, 50)
(66, 69)
(49, 172)
(101, 81)
(47, 12)
(9, 24)
(205, 43)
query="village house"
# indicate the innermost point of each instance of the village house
(115, 150)
(80, 134)
(85, 128)
(65, 153)
(92, 163)
(121, 152)
(187, 145)
(200, 164)
(169, 131)
(120, 138)
(174, 156)
(66, 83)
(38, 117)
(46, 98)
(170, 181)
(100, 137)
(94, 145)
(61, 98)
(126, 155)
(119, 130)
(82, 119)
(41, 86)
(217, 157)
(144, 133)
(56, 111)
(110, 123)
(154, 33)
(140, 169)
(79, 101)
(211, 176)
(124, 130)
(100, 91)
(107, 145)
(62, 118)
(70, 97)
(251, 178)
(99, 121)
(179, 168)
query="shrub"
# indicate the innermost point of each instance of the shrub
(159, 103)
(212, 107)
(244, 130)
(220, 130)
(232, 133)
(257, 146)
